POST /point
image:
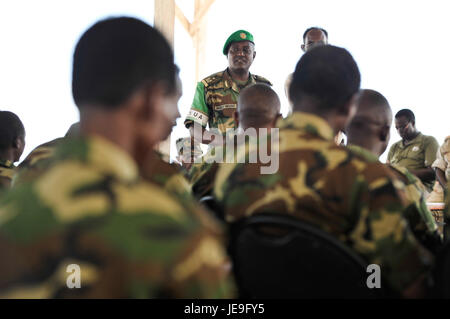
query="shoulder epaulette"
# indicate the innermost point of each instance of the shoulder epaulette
(261, 79)
(212, 79)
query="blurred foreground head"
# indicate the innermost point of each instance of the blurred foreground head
(125, 83)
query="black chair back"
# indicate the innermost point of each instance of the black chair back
(278, 256)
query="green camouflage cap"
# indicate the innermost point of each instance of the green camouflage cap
(238, 36)
(184, 143)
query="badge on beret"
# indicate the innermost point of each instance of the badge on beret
(243, 35)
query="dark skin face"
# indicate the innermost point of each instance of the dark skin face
(405, 128)
(240, 58)
(314, 37)
(407, 131)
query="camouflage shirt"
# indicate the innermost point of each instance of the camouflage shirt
(418, 215)
(334, 189)
(168, 176)
(7, 171)
(34, 163)
(130, 238)
(215, 100)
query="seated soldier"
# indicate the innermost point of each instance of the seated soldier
(442, 169)
(327, 185)
(415, 151)
(34, 163)
(12, 144)
(258, 108)
(90, 210)
(368, 135)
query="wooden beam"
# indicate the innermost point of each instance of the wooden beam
(165, 22)
(182, 18)
(199, 36)
(200, 11)
(165, 18)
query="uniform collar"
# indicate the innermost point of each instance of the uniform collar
(105, 156)
(230, 83)
(311, 123)
(414, 140)
(6, 163)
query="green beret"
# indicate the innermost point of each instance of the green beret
(238, 36)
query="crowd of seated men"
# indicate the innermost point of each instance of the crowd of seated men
(104, 199)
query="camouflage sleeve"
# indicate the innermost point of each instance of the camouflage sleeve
(382, 234)
(123, 249)
(199, 112)
(202, 183)
(419, 216)
(431, 148)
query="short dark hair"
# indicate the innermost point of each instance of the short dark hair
(258, 105)
(312, 28)
(326, 74)
(372, 98)
(115, 57)
(408, 114)
(11, 128)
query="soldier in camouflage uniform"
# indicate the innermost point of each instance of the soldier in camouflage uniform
(258, 107)
(327, 185)
(33, 164)
(89, 207)
(12, 144)
(368, 135)
(216, 96)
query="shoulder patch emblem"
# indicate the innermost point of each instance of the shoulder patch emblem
(415, 148)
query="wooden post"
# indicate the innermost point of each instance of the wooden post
(198, 31)
(165, 22)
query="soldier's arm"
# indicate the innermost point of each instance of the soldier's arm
(383, 236)
(440, 176)
(198, 116)
(439, 166)
(431, 148)
(202, 268)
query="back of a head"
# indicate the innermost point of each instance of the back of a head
(406, 113)
(11, 128)
(326, 75)
(115, 57)
(258, 106)
(371, 124)
(314, 28)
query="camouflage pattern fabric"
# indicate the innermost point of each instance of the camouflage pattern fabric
(203, 174)
(130, 238)
(7, 171)
(166, 175)
(34, 163)
(421, 220)
(215, 100)
(329, 186)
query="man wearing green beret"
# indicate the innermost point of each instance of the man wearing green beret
(216, 96)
